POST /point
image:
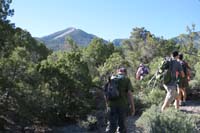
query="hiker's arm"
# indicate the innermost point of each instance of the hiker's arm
(188, 74)
(188, 71)
(131, 100)
(106, 102)
(138, 71)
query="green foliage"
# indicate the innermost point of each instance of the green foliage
(140, 34)
(19, 81)
(111, 64)
(197, 68)
(11, 38)
(72, 44)
(37, 50)
(154, 64)
(193, 84)
(38, 85)
(13, 69)
(5, 10)
(91, 120)
(155, 96)
(139, 102)
(145, 46)
(170, 121)
(97, 52)
(68, 83)
(166, 47)
(6, 34)
(145, 98)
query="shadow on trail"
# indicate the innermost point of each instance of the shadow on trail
(192, 107)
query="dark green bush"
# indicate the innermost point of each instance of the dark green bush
(67, 84)
(170, 121)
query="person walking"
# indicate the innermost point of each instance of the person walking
(184, 82)
(119, 105)
(142, 71)
(171, 87)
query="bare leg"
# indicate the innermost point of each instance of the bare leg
(165, 104)
(184, 94)
(177, 103)
(179, 97)
(180, 94)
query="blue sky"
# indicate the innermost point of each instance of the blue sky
(108, 19)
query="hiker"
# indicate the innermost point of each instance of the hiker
(118, 102)
(141, 72)
(171, 86)
(183, 82)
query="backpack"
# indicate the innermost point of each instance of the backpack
(112, 88)
(165, 71)
(145, 70)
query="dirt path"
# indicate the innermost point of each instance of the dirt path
(191, 107)
(131, 127)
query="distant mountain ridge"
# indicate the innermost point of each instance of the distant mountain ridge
(57, 40)
(118, 42)
(185, 39)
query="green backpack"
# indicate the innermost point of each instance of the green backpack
(165, 73)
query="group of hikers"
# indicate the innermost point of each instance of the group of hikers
(119, 97)
(179, 77)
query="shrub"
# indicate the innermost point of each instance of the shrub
(197, 73)
(67, 85)
(156, 96)
(145, 98)
(194, 84)
(170, 121)
(139, 103)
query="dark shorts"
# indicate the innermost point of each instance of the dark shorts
(183, 83)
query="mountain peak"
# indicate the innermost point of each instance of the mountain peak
(57, 40)
(65, 32)
(71, 28)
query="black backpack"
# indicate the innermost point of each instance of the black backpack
(112, 88)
